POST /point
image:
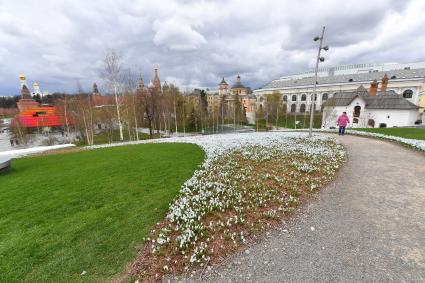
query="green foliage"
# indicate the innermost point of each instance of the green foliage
(64, 214)
(409, 133)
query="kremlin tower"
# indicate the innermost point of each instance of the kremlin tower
(156, 81)
(26, 101)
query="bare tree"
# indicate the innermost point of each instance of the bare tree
(19, 132)
(83, 109)
(112, 76)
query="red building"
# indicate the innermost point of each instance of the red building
(32, 115)
(41, 116)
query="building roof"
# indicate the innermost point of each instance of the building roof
(350, 78)
(238, 85)
(383, 100)
(223, 81)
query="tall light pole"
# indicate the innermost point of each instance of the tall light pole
(314, 96)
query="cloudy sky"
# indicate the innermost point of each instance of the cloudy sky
(59, 43)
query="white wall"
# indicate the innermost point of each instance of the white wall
(390, 117)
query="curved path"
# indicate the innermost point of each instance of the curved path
(367, 226)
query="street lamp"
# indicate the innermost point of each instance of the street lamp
(318, 59)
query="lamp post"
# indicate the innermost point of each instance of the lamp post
(314, 96)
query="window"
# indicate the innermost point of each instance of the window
(285, 98)
(302, 108)
(382, 125)
(350, 80)
(325, 96)
(293, 107)
(393, 77)
(357, 111)
(303, 97)
(294, 98)
(408, 93)
(355, 120)
(371, 123)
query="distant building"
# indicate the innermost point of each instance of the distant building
(32, 115)
(26, 102)
(373, 108)
(407, 80)
(224, 99)
(100, 100)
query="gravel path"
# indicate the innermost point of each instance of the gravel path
(367, 226)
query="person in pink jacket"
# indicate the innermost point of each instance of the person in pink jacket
(343, 121)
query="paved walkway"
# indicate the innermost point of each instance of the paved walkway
(367, 226)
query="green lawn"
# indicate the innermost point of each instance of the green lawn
(88, 211)
(103, 138)
(409, 133)
(288, 121)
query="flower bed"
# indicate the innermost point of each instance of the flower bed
(247, 183)
(416, 144)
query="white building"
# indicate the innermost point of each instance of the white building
(407, 80)
(376, 110)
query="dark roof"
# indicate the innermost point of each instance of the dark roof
(389, 101)
(351, 78)
(223, 81)
(382, 100)
(238, 85)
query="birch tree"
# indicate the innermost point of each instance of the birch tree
(112, 75)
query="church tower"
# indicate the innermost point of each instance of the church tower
(25, 92)
(141, 84)
(95, 89)
(26, 101)
(156, 81)
(223, 87)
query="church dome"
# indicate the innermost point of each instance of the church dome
(238, 85)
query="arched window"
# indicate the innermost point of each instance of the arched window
(357, 111)
(303, 97)
(293, 107)
(302, 108)
(285, 98)
(408, 93)
(325, 96)
(315, 97)
(294, 98)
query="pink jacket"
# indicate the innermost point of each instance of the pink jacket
(343, 120)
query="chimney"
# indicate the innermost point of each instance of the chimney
(373, 88)
(384, 83)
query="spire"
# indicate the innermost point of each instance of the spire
(25, 93)
(95, 89)
(238, 79)
(156, 81)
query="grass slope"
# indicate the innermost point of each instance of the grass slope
(65, 213)
(409, 133)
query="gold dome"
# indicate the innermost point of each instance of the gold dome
(22, 77)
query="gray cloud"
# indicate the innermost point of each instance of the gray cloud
(195, 43)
